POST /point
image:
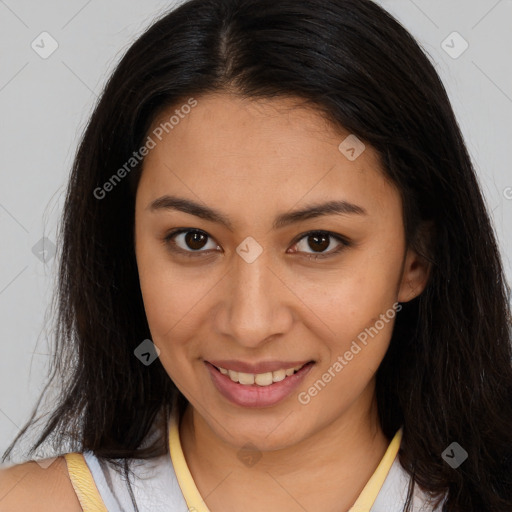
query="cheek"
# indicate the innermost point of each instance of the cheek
(173, 297)
(153, 285)
(168, 304)
(360, 315)
(356, 295)
(357, 305)
(161, 289)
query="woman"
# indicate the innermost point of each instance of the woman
(279, 288)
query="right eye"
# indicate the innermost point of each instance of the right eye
(188, 241)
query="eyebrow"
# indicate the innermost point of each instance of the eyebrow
(311, 211)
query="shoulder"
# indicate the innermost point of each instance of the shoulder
(38, 487)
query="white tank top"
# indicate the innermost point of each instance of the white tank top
(162, 493)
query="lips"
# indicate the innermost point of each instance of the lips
(254, 395)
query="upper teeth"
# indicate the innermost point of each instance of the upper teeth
(261, 379)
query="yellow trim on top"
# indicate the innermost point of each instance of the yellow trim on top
(83, 483)
(369, 494)
(195, 502)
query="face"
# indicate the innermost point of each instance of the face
(234, 278)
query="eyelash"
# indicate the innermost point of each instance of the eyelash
(344, 243)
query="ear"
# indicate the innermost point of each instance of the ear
(416, 267)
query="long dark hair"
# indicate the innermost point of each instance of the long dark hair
(447, 376)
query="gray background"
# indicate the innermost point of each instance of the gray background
(45, 103)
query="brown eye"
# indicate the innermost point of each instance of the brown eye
(195, 240)
(189, 241)
(319, 242)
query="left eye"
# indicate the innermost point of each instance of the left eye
(320, 241)
(194, 240)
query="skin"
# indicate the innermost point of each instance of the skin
(253, 160)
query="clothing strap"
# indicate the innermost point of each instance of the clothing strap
(83, 483)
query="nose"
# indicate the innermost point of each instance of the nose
(257, 304)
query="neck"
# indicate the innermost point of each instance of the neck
(349, 447)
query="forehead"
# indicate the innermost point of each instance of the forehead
(241, 125)
(277, 151)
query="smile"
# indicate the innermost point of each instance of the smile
(257, 389)
(260, 379)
